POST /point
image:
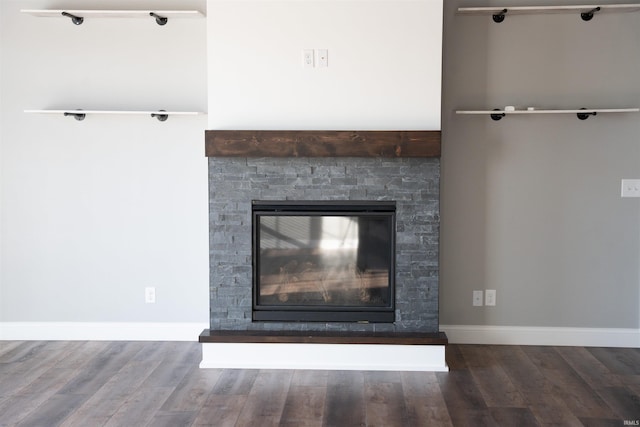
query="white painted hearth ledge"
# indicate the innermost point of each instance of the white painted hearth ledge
(353, 357)
(325, 350)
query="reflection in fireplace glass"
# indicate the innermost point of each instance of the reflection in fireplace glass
(327, 260)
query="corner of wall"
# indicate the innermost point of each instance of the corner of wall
(1, 159)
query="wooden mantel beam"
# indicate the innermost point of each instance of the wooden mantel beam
(321, 143)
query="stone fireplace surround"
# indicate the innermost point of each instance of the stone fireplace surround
(398, 166)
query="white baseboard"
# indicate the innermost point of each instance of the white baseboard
(100, 331)
(529, 335)
(457, 334)
(354, 357)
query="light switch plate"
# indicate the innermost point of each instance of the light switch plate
(323, 58)
(490, 297)
(477, 298)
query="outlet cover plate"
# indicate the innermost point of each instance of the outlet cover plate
(323, 58)
(630, 188)
(477, 298)
(150, 295)
(490, 297)
(308, 60)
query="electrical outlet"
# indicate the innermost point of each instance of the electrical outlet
(630, 188)
(477, 298)
(150, 295)
(307, 58)
(490, 297)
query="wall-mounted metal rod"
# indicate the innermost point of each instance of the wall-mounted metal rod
(499, 17)
(161, 117)
(160, 20)
(587, 16)
(77, 116)
(78, 20)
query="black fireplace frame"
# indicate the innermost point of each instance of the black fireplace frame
(292, 313)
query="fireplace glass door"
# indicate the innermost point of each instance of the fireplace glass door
(323, 261)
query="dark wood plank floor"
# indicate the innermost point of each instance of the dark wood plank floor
(160, 384)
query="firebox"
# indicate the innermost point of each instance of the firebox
(324, 261)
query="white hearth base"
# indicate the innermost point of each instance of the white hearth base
(353, 357)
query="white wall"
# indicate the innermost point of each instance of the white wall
(1, 162)
(1, 169)
(92, 212)
(384, 64)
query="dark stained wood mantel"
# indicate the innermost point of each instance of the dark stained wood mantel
(323, 337)
(320, 143)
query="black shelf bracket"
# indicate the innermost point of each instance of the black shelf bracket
(585, 116)
(160, 20)
(587, 16)
(78, 116)
(161, 117)
(497, 116)
(78, 20)
(499, 17)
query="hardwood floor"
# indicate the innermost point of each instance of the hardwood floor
(159, 384)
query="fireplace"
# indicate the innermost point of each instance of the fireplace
(282, 203)
(323, 261)
(362, 173)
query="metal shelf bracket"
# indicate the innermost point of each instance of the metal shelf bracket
(78, 20)
(160, 20)
(499, 17)
(497, 116)
(585, 116)
(78, 116)
(587, 16)
(161, 117)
